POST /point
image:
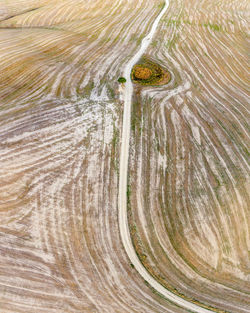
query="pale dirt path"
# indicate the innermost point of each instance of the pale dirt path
(122, 200)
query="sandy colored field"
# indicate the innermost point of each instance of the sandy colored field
(189, 170)
(60, 116)
(60, 129)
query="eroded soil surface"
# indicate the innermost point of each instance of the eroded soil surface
(60, 129)
(189, 159)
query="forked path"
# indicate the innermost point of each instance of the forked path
(122, 201)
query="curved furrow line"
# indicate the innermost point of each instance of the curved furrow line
(58, 181)
(60, 126)
(66, 71)
(189, 163)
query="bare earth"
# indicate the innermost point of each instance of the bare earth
(60, 128)
(189, 170)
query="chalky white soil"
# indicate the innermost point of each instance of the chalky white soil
(60, 128)
(189, 160)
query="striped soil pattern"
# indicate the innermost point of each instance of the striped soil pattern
(189, 160)
(60, 128)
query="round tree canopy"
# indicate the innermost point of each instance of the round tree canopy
(122, 80)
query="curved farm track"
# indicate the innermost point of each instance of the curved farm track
(189, 170)
(60, 125)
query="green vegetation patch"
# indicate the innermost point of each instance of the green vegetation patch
(214, 27)
(121, 80)
(149, 73)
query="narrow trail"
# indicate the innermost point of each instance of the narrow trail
(124, 155)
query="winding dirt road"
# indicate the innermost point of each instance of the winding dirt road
(122, 202)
